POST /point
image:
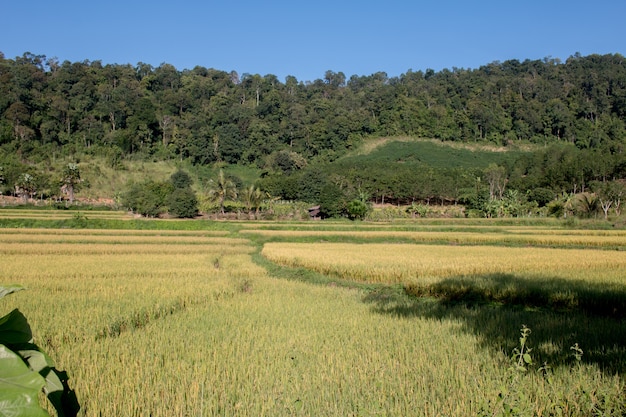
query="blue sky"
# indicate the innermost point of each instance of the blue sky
(304, 39)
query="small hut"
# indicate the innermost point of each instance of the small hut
(314, 213)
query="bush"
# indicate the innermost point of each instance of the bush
(182, 203)
(180, 179)
(542, 196)
(147, 198)
(357, 209)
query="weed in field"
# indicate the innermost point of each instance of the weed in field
(521, 355)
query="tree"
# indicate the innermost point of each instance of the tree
(222, 189)
(586, 204)
(541, 195)
(496, 176)
(253, 198)
(610, 194)
(70, 180)
(182, 203)
(332, 200)
(147, 198)
(25, 186)
(287, 161)
(181, 179)
(2, 179)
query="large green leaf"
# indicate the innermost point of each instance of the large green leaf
(56, 387)
(9, 289)
(14, 329)
(19, 387)
(16, 334)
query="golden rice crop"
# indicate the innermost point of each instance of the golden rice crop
(6, 213)
(74, 249)
(116, 240)
(288, 348)
(612, 240)
(103, 283)
(403, 263)
(109, 232)
(196, 328)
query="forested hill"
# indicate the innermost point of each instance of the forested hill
(206, 115)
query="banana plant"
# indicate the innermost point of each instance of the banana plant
(25, 370)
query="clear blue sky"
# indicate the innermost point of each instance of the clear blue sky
(304, 39)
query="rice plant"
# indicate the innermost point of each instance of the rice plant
(145, 323)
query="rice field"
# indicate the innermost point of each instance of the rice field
(8, 213)
(405, 263)
(192, 323)
(505, 236)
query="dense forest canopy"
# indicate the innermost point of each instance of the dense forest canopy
(208, 115)
(203, 115)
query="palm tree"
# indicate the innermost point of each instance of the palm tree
(253, 198)
(222, 189)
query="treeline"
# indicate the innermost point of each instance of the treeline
(520, 184)
(297, 132)
(206, 115)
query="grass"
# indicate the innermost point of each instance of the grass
(105, 181)
(197, 322)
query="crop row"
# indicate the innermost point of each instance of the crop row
(402, 263)
(616, 240)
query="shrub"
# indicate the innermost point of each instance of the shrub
(180, 179)
(357, 209)
(147, 198)
(182, 203)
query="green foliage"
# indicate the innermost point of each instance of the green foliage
(287, 161)
(332, 201)
(182, 203)
(147, 198)
(308, 135)
(181, 179)
(253, 198)
(586, 205)
(222, 189)
(207, 115)
(25, 370)
(415, 209)
(71, 179)
(357, 209)
(521, 358)
(610, 194)
(26, 185)
(430, 153)
(542, 196)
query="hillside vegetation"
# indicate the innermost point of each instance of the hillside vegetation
(319, 142)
